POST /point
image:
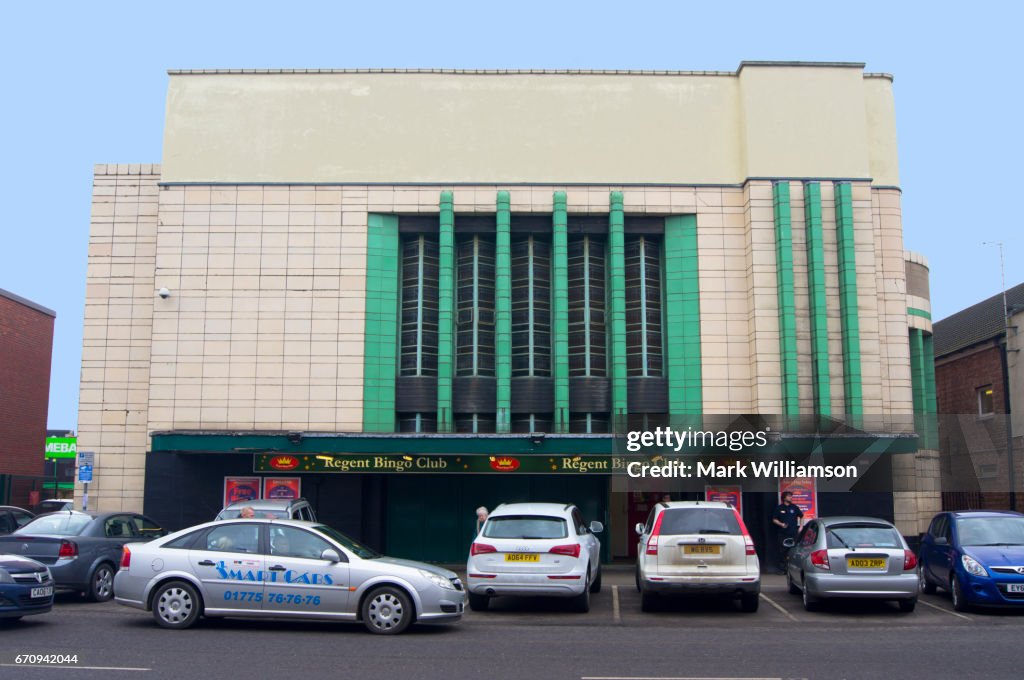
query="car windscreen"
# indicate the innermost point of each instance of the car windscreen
(980, 531)
(261, 513)
(50, 506)
(525, 527)
(58, 524)
(348, 543)
(863, 536)
(677, 521)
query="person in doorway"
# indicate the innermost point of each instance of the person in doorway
(786, 521)
(247, 512)
(481, 517)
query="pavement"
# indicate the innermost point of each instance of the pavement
(537, 639)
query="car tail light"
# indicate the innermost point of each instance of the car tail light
(572, 550)
(748, 542)
(819, 558)
(909, 560)
(652, 542)
(126, 558)
(481, 548)
(68, 549)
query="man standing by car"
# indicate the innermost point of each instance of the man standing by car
(785, 520)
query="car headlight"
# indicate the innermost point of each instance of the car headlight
(973, 567)
(436, 579)
(5, 576)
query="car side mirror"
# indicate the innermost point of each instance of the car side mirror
(639, 528)
(330, 555)
(789, 543)
(596, 527)
(941, 540)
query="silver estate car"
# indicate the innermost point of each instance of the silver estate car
(270, 568)
(856, 557)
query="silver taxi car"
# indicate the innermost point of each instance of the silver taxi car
(270, 568)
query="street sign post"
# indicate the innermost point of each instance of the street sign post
(86, 459)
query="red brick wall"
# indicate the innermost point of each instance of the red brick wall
(26, 347)
(957, 382)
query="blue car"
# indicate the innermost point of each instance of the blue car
(26, 587)
(978, 556)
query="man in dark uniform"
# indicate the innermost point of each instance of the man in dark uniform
(785, 520)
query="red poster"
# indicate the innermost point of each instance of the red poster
(241, 489)
(731, 494)
(805, 495)
(282, 487)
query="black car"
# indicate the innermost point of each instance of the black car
(12, 518)
(82, 550)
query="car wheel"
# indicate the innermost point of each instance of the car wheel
(387, 611)
(908, 606)
(810, 602)
(479, 603)
(749, 602)
(101, 584)
(648, 602)
(176, 605)
(927, 587)
(581, 602)
(956, 592)
(595, 587)
(793, 590)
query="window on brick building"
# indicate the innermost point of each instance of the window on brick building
(985, 401)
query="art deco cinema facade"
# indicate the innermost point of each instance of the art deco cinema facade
(418, 291)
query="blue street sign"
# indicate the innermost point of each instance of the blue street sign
(85, 473)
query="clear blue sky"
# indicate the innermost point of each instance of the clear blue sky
(85, 83)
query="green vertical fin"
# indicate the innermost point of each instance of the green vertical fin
(852, 377)
(617, 309)
(560, 312)
(503, 314)
(446, 314)
(682, 317)
(787, 303)
(380, 354)
(816, 292)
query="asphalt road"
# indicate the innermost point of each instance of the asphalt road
(538, 640)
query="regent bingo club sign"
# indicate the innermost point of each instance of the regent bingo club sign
(346, 463)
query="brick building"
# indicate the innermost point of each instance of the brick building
(351, 277)
(26, 348)
(979, 386)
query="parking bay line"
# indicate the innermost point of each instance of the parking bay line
(70, 667)
(687, 677)
(616, 611)
(780, 608)
(943, 609)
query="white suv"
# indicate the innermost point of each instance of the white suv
(696, 547)
(535, 549)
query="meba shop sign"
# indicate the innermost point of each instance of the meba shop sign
(460, 464)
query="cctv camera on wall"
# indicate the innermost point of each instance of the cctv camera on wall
(164, 293)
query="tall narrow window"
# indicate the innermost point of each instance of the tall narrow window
(587, 335)
(475, 307)
(419, 306)
(419, 321)
(474, 322)
(531, 307)
(588, 342)
(643, 307)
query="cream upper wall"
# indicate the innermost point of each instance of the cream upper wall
(684, 128)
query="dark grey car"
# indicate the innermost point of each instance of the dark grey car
(12, 519)
(82, 550)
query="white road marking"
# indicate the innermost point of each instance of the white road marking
(616, 612)
(676, 677)
(943, 609)
(779, 607)
(73, 668)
